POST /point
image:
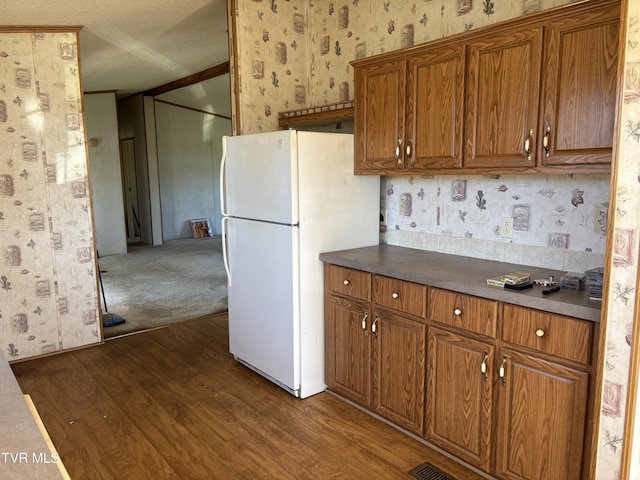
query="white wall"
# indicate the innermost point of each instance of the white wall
(104, 168)
(189, 150)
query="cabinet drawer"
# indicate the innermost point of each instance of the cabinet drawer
(470, 313)
(353, 283)
(400, 295)
(557, 335)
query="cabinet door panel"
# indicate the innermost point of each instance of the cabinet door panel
(542, 419)
(459, 396)
(434, 108)
(379, 116)
(399, 370)
(503, 83)
(580, 82)
(348, 347)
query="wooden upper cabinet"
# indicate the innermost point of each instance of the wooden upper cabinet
(579, 88)
(379, 116)
(409, 112)
(503, 85)
(435, 103)
(537, 94)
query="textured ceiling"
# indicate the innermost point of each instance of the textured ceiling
(133, 45)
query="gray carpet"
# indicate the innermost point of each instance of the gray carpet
(154, 286)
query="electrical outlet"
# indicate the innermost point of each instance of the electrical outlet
(506, 227)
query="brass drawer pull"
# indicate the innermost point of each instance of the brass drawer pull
(527, 144)
(545, 141)
(395, 295)
(540, 333)
(457, 312)
(346, 282)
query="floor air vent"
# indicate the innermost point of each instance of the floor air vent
(426, 471)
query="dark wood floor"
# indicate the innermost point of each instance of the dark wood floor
(173, 404)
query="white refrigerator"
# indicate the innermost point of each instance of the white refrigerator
(288, 196)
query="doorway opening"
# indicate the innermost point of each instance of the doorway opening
(130, 189)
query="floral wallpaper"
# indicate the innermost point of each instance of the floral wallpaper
(48, 291)
(271, 61)
(295, 53)
(623, 293)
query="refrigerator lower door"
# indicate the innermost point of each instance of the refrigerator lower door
(264, 326)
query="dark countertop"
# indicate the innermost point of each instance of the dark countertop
(466, 275)
(24, 453)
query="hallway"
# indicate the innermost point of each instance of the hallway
(153, 286)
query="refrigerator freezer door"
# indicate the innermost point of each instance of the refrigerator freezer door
(263, 299)
(261, 177)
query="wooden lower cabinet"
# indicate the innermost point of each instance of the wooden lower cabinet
(375, 355)
(459, 396)
(542, 417)
(348, 349)
(399, 369)
(501, 387)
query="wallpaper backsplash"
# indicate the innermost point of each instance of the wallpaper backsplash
(48, 291)
(559, 221)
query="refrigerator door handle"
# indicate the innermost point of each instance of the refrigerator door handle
(223, 163)
(225, 253)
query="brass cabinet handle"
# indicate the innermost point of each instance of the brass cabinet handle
(364, 321)
(398, 157)
(527, 144)
(545, 141)
(457, 312)
(502, 370)
(483, 366)
(374, 328)
(408, 151)
(346, 282)
(540, 333)
(395, 295)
